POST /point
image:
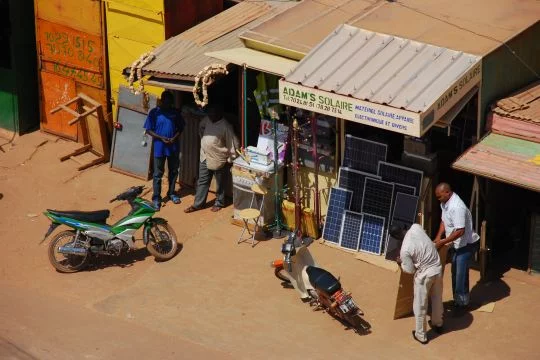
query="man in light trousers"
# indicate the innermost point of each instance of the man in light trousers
(419, 256)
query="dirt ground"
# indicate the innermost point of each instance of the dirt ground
(216, 299)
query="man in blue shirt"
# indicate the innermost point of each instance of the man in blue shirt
(165, 124)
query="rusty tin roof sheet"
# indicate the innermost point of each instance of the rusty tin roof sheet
(505, 159)
(182, 56)
(382, 68)
(523, 105)
(475, 27)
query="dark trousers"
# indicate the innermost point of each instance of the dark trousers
(461, 262)
(159, 169)
(203, 184)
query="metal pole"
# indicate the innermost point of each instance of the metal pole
(297, 204)
(315, 155)
(242, 106)
(277, 195)
(244, 135)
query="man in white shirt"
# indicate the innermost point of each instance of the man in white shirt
(456, 225)
(218, 147)
(419, 256)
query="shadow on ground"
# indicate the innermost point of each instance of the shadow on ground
(125, 260)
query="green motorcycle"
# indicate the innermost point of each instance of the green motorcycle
(70, 250)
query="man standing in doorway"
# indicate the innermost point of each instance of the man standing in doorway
(456, 225)
(419, 256)
(165, 124)
(218, 147)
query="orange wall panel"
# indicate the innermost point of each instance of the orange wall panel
(56, 90)
(83, 15)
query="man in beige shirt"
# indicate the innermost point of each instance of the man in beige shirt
(419, 256)
(218, 148)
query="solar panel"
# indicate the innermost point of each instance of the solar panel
(377, 199)
(401, 175)
(371, 235)
(339, 201)
(362, 154)
(405, 208)
(400, 188)
(353, 180)
(350, 230)
(393, 248)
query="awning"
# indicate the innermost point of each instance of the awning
(381, 80)
(446, 120)
(171, 84)
(503, 158)
(254, 59)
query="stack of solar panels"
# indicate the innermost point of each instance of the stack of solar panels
(371, 195)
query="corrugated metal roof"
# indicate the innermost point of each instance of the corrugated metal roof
(382, 68)
(475, 27)
(523, 105)
(182, 57)
(505, 159)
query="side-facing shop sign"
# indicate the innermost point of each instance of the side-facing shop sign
(384, 117)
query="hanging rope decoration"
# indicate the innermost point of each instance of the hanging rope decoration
(136, 67)
(204, 78)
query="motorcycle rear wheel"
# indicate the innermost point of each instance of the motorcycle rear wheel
(63, 262)
(160, 240)
(357, 322)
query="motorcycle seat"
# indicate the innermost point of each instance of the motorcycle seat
(323, 280)
(97, 217)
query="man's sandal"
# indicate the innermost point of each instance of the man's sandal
(190, 209)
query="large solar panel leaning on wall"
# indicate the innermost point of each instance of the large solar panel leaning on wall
(350, 230)
(404, 214)
(339, 201)
(377, 199)
(353, 180)
(364, 155)
(372, 233)
(401, 175)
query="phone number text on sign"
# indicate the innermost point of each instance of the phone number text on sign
(70, 47)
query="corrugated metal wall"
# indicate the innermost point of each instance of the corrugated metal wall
(190, 146)
(504, 72)
(133, 28)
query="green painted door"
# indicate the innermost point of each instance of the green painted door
(8, 101)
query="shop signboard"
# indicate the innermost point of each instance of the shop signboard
(377, 115)
(451, 96)
(348, 108)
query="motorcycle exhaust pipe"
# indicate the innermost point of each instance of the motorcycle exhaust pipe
(68, 250)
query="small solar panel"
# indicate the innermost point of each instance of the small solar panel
(393, 248)
(353, 180)
(371, 235)
(405, 208)
(400, 188)
(350, 230)
(377, 199)
(401, 175)
(339, 201)
(364, 155)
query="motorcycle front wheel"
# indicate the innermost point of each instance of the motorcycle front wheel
(66, 263)
(160, 240)
(279, 272)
